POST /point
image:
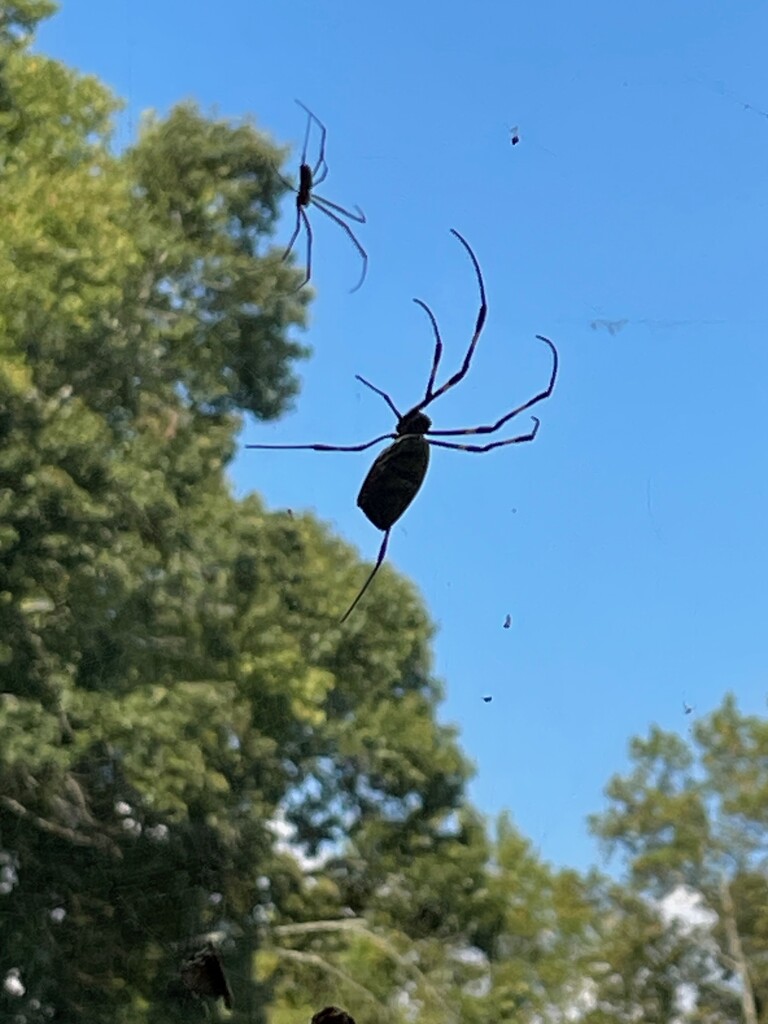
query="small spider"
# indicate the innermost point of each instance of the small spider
(309, 177)
(203, 974)
(397, 474)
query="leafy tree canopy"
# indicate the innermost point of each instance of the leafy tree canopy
(173, 677)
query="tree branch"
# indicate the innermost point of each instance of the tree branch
(97, 841)
(736, 952)
(315, 960)
(360, 926)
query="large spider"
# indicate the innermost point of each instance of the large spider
(394, 479)
(309, 177)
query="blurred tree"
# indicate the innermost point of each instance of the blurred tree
(543, 935)
(465, 931)
(691, 823)
(647, 964)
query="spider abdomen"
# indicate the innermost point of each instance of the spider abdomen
(393, 481)
(305, 185)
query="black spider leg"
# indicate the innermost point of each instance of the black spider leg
(326, 206)
(326, 447)
(493, 427)
(306, 133)
(321, 162)
(382, 394)
(430, 394)
(301, 212)
(493, 444)
(379, 559)
(438, 354)
(359, 216)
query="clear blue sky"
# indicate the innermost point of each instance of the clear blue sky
(628, 543)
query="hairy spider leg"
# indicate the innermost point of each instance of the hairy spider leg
(493, 427)
(379, 559)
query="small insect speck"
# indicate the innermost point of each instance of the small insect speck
(507, 622)
(687, 708)
(289, 513)
(487, 700)
(514, 135)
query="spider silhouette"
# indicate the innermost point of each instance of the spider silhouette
(203, 974)
(309, 177)
(398, 472)
(332, 1015)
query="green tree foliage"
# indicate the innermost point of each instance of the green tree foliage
(177, 697)
(644, 964)
(466, 931)
(173, 678)
(540, 936)
(693, 819)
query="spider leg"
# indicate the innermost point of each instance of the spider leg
(348, 229)
(288, 184)
(377, 566)
(301, 215)
(493, 444)
(322, 201)
(383, 394)
(438, 349)
(479, 324)
(296, 230)
(324, 447)
(306, 133)
(493, 427)
(317, 177)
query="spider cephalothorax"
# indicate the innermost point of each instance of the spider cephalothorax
(396, 476)
(414, 422)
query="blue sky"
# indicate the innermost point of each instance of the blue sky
(628, 542)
